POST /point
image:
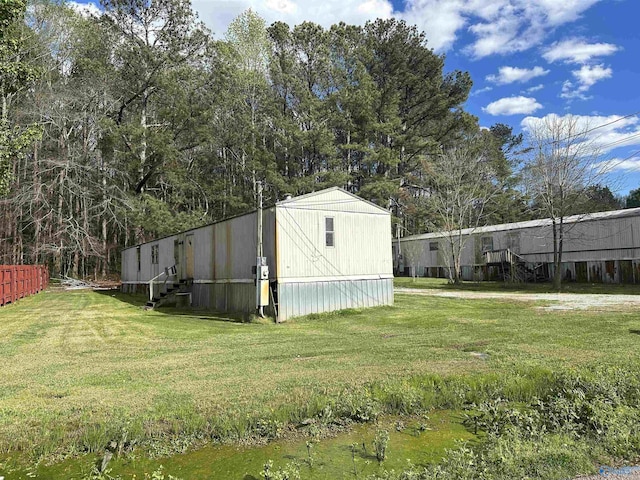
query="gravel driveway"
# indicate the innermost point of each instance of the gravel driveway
(562, 301)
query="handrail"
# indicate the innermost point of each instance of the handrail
(519, 257)
(168, 272)
(501, 256)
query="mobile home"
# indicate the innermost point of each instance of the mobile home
(598, 248)
(324, 251)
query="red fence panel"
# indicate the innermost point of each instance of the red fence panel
(18, 281)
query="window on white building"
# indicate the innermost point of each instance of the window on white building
(487, 244)
(329, 232)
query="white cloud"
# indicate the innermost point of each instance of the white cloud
(499, 26)
(85, 9)
(535, 88)
(570, 91)
(498, 36)
(574, 50)
(217, 14)
(621, 164)
(440, 19)
(605, 132)
(512, 106)
(282, 6)
(563, 11)
(479, 91)
(586, 77)
(589, 75)
(514, 74)
(508, 26)
(376, 8)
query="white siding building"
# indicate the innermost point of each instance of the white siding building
(326, 251)
(598, 248)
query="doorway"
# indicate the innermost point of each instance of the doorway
(190, 264)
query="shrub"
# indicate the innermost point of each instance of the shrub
(380, 443)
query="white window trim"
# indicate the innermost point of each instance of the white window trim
(333, 232)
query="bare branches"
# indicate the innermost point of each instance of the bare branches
(462, 189)
(563, 164)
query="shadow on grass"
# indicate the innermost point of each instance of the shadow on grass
(139, 300)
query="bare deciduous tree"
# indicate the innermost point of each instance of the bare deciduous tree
(412, 254)
(463, 186)
(563, 163)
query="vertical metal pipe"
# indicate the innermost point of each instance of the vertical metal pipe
(259, 250)
(259, 242)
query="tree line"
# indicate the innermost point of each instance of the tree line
(139, 122)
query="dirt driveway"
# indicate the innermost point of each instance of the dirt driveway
(561, 301)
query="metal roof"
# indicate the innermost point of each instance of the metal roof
(585, 217)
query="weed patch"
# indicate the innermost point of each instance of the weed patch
(585, 416)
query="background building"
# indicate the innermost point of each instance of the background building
(326, 251)
(599, 248)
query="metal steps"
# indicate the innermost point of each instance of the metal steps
(169, 296)
(513, 267)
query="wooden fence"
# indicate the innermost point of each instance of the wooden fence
(18, 281)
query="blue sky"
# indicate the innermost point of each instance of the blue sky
(587, 66)
(528, 58)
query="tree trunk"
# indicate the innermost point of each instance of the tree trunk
(104, 246)
(457, 259)
(557, 255)
(76, 251)
(105, 202)
(143, 142)
(85, 246)
(457, 278)
(58, 233)
(37, 220)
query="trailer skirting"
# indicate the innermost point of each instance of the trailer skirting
(294, 299)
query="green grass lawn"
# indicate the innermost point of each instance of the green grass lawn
(78, 365)
(543, 287)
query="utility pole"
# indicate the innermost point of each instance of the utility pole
(259, 250)
(399, 248)
(262, 270)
